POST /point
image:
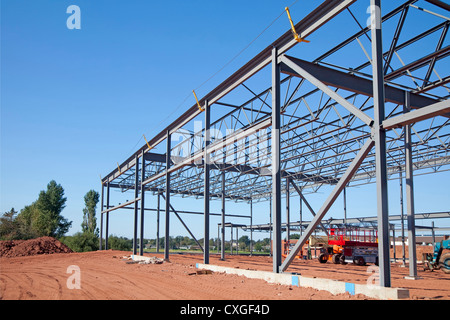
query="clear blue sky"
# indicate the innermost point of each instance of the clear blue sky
(76, 102)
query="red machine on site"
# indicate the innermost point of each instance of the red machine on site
(358, 245)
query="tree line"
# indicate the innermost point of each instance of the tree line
(183, 242)
(41, 218)
(44, 217)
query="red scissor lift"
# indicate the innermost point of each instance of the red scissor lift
(357, 245)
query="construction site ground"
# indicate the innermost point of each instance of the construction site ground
(108, 274)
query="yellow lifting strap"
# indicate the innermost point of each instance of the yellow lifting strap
(118, 167)
(296, 36)
(198, 103)
(149, 148)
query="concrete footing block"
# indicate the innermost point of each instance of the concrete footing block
(332, 286)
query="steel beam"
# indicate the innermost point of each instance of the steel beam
(440, 4)
(121, 205)
(154, 157)
(349, 82)
(359, 158)
(434, 110)
(324, 88)
(350, 221)
(193, 212)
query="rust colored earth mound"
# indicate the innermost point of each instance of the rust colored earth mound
(42, 245)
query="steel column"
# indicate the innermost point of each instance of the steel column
(168, 160)
(402, 221)
(157, 220)
(107, 216)
(251, 227)
(380, 145)
(301, 216)
(141, 237)
(345, 205)
(206, 166)
(231, 240)
(222, 231)
(410, 212)
(287, 210)
(101, 219)
(136, 195)
(271, 225)
(276, 172)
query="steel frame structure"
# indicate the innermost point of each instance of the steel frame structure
(316, 123)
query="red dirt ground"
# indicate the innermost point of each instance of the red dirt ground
(106, 275)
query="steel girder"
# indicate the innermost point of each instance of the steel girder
(326, 121)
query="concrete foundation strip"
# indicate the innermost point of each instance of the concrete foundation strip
(332, 286)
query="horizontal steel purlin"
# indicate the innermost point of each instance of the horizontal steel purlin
(436, 109)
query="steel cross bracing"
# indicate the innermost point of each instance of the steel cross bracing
(326, 116)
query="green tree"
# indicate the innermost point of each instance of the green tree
(43, 217)
(89, 223)
(258, 246)
(9, 226)
(26, 222)
(244, 243)
(81, 242)
(119, 243)
(51, 203)
(87, 240)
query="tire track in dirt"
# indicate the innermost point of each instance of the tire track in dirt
(13, 289)
(2, 287)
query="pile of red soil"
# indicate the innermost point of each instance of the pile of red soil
(42, 245)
